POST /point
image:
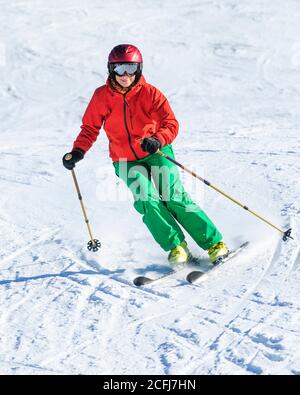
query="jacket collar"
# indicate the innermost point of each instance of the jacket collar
(133, 90)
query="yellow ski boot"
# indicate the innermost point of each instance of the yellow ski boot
(217, 252)
(179, 255)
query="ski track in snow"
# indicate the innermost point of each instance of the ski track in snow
(228, 323)
(65, 310)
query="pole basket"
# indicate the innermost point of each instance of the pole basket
(287, 235)
(93, 245)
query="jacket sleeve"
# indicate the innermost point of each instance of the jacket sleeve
(167, 123)
(91, 124)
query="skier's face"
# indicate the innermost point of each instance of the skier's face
(125, 80)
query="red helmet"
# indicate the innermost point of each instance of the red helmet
(125, 53)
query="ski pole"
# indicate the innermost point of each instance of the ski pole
(93, 244)
(286, 234)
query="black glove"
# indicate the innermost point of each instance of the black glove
(71, 158)
(151, 145)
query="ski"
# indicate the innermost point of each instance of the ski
(196, 274)
(193, 275)
(142, 280)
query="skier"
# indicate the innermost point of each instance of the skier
(139, 121)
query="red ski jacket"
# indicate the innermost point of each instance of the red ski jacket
(127, 118)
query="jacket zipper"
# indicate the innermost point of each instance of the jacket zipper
(127, 130)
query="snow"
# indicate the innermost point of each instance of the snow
(231, 71)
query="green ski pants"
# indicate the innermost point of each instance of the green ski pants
(166, 202)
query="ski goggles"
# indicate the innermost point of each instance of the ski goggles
(122, 68)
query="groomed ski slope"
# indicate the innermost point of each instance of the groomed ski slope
(231, 71)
